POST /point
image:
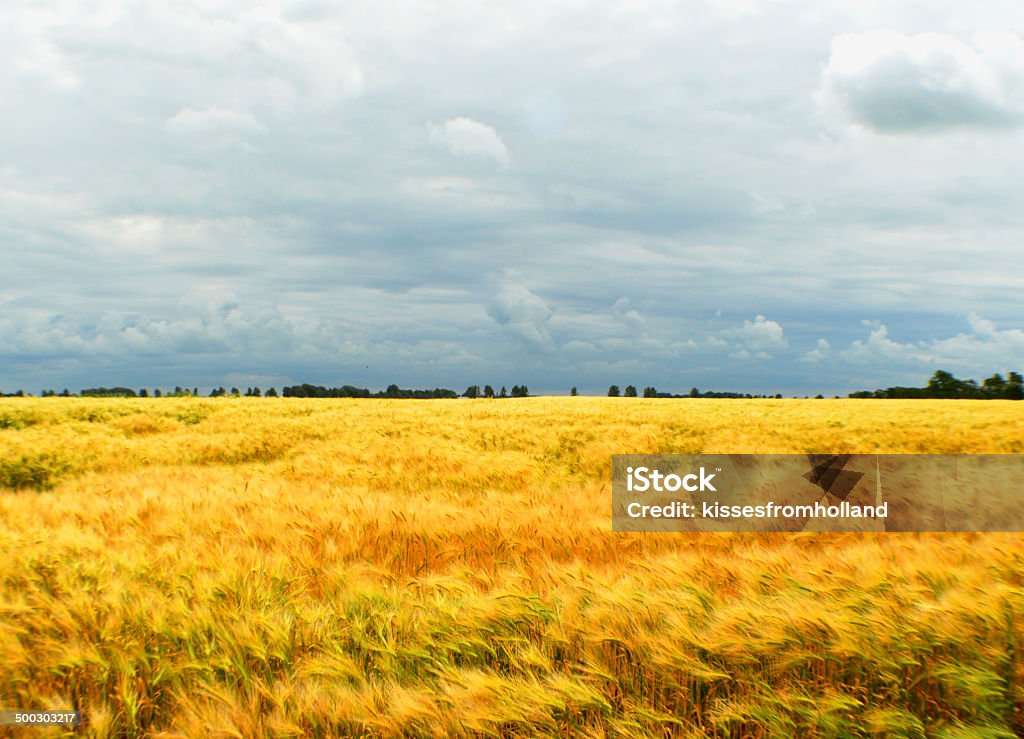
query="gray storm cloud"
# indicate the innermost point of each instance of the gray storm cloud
(700, 193)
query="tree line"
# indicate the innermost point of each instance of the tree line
(518, 391)
(944, 385)
(941, 385)
(650, 392)
(305, 390)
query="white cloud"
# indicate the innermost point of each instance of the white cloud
(890, 81)
(760, 336)
(523, 314)
(985, 348)
(878, 346)
(209, 322)
(464, 137)
(819, 353)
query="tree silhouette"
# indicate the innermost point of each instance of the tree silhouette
(943, 384)
(1014, 386)
(613, 391)
(630, 391)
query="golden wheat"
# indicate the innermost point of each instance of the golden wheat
(286, 567)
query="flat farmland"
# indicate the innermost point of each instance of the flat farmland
(290, 567)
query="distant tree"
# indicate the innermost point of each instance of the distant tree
(819, 396)
(271, 393)
(573, 392)
(994, 386)
(778, 396)
(66, 393)
(177, 390)
(234, 392)
(143, 393)
(613, 391)
(157, 393)
(650, 392)
(630, 391)
(694, 392)
(1014, 386)
(943, 385)
(108, 392)
(503, 393)
(488, 391)
(256, 392)
(19, 394)
(473, 391)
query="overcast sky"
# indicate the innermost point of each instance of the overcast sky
(775, 196)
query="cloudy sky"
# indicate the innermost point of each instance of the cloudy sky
(773, 196)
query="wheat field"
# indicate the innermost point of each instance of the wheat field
(284, 567)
